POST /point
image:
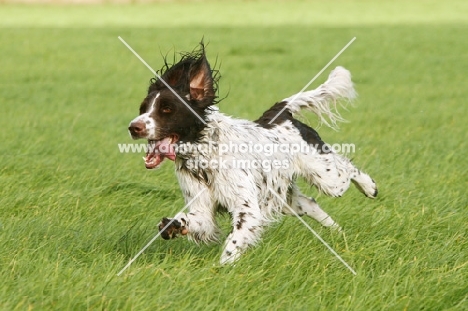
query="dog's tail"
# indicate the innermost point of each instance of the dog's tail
(323, 100)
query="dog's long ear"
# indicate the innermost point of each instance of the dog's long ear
(176, 75)
(201, 82)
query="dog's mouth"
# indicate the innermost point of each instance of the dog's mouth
(158, 150)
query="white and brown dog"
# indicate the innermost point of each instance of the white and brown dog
(254, 183)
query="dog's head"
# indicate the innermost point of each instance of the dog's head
(175, 107)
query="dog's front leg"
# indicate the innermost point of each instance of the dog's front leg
(199, 223)
(246, 231)
(171, 228)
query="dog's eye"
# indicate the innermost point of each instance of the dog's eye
(166, 110)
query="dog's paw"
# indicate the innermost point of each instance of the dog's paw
(366, 185)
(370, 190)
(229, 257)
(174, 228)
(335, 227)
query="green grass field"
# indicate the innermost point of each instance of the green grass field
(73, 210)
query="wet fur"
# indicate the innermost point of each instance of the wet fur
(246, 193)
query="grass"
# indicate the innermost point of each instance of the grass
(74, 210)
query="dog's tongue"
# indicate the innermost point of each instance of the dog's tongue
(158, 151)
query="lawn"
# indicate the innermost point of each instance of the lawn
(74, 210)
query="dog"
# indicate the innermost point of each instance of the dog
(179, 119)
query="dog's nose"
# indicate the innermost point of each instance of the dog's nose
(137, 128)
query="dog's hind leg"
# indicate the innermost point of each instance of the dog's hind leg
(332, 174)
(303, 205)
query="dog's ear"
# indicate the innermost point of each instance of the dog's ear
(201, 82)
(176, 75)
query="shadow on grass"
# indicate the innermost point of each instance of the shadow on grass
(139, 189)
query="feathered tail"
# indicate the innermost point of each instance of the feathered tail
(323, 100)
